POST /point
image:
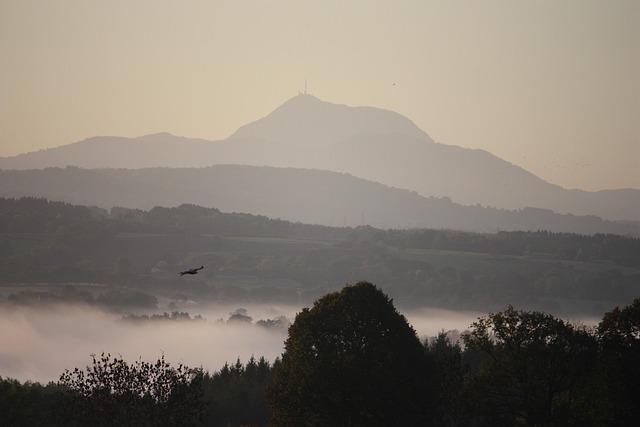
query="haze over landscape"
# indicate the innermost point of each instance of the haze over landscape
(234, 213)
(371, 143)
(550, 87)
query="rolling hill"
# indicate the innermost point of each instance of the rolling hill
(304, 195)
(367, 142)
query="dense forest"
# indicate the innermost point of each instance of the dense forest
(52, 251)
(353, 360)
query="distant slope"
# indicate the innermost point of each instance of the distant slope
(162, 149)
(370, 143)
(52, 248)
(310, 196)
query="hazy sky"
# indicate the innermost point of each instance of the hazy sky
(550, 85)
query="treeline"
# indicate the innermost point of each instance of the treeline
(88, 224)
(132, 257)
(35, 215)
(239, 316)
(174, 316)
(112, 392)
(353, 360)
(566, 246)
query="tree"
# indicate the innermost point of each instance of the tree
(31, 404)
(619, 334)
(350, 360)
(235, 395)
(114, 392)
(534, 370)
(448, 371)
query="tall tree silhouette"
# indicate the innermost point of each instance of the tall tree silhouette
(351, 360)
(619, 333)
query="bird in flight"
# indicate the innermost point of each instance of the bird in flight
(192, 271)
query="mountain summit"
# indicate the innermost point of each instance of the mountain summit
(305, 119)
(370, 143)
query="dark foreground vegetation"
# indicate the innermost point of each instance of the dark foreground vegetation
(125, 258)
(353, 360)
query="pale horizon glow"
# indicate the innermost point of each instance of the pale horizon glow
(549, 86)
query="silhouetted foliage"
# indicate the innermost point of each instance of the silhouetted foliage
(174, 316)
(619, 333)
(114, 392)
(533, 371)
(351, 360)
(32, 404)
(240, 316)
(448, 372)
(235, 395)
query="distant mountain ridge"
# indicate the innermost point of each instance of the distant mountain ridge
(301, 195)
(367, 142)
(306, 119)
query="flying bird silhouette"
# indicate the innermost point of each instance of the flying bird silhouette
(192, 271)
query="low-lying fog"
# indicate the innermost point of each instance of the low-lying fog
(38, 344)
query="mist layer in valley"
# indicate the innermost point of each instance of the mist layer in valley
(39, 343)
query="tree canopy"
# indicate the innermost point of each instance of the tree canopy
(619, 333)
(351, 360)
(134, 394)
(532, 366)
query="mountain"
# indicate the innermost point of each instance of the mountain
(306, 120)
(367, 142)
(302, 195)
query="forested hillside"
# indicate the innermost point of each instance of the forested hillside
(305, 195)
(134, 253)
